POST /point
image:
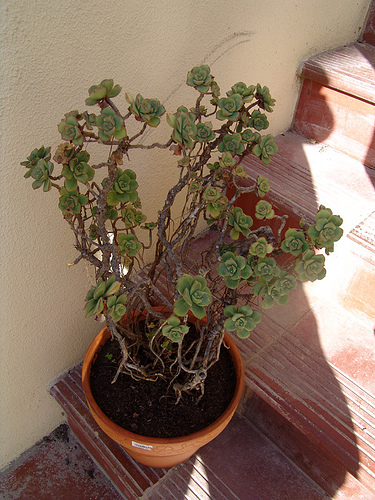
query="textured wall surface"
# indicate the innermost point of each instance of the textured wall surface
(51, 53)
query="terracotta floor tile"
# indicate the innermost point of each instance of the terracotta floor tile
(57, 468)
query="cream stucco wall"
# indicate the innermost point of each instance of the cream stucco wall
(52, 51)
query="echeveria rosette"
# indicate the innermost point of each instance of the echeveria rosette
(226, 160)
(232, 143)
(260, 248)
(196, 296)
(36, 154)
(264, 97)
(174, 330)
(40, 170)
(99, 92)
(71, 201)
(77, 170)
(278, 291)
(96, 298)
(242, 320)
(263, 186)
(184, 128)
(116, 307)
(211, 194)
(233, 269)
(240, 223)
(264, 210)
(258, 120)
(326, 231)
(248, 135)
(110, 125)
(132, 217)
(200, 78)
(195, 186)
(217, 208)
(247, 93)
(98, 294)
(145, 110)
(294, 242)
(124, 188)
(90, 120)
(266, 269)
(204, 132)
(128, 244)
(265, 148)
(70, 130)
(311, 267)
(64, 152)
(230, 108)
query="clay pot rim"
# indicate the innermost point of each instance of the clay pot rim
(89, 358)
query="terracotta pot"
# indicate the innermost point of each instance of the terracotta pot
(159, 452)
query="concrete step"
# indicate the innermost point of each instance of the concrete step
(337, 100)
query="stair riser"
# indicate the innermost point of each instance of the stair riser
(338, 120)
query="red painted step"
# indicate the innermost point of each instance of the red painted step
(337, 101)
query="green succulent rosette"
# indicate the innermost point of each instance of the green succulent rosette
(36, 155)
(263, 186)
(110, 125)
(194, 186)
(217, 208)
(264, 210)
(230, 107)
(227, 160)
(266, 269)
(174, 330)
(145, 110)
(39, 168)
(264, 97)
(240, 222)
(294, 242)
(242, 320)
(247, 93)
(70, 130)
(124, 188)
(311, 267)
(128, 244)
(265, 148)
(98, 294)
(204, 132)
(196, 296)
(132, 217)
(90, 120)
(234, 269)
(277, 291)
(260, 248)
(64, 152)
(232, 143)
(248, 135)
(326, 230)
(258, 120)
(77, 170)
(200, 78)
(99, 92)
(71, 201)
(184, 128)
(116, 307)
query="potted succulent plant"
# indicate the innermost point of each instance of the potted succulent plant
(168, 317)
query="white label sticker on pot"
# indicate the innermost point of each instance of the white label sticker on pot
(142, 446)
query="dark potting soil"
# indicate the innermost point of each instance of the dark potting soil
(149, 409)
